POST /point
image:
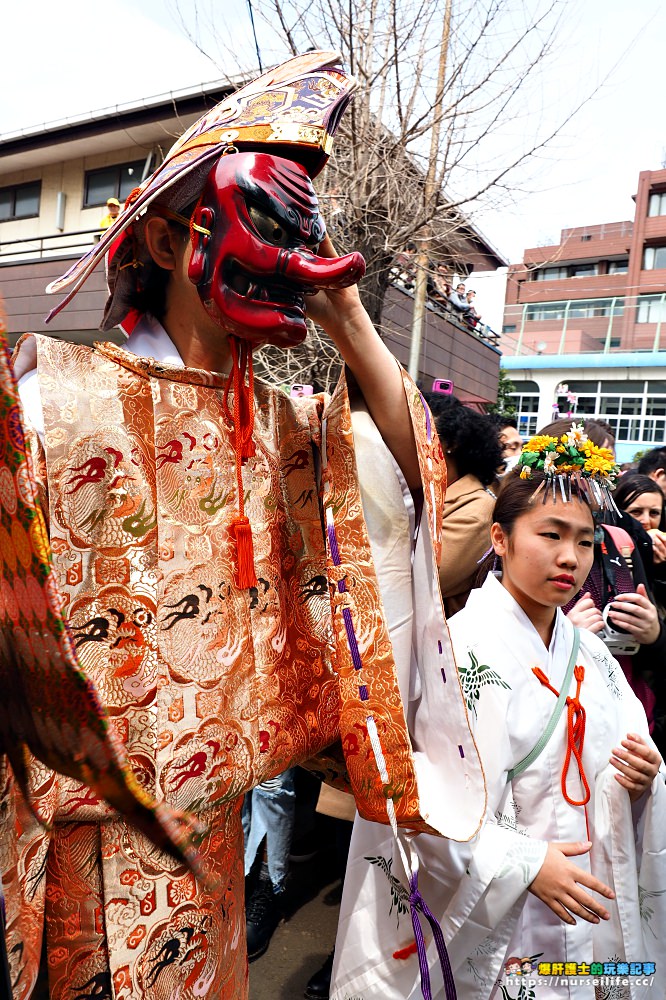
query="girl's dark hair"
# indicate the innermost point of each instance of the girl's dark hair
(632, 486)
(598, 431)
(513, 500)
(471, 438)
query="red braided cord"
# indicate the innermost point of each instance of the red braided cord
(575, 733)
(575, 740)
(243, 423)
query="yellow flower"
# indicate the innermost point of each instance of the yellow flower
(525, 472)
(561, 449)
(592, 449)
(539, 442)
(598, 464)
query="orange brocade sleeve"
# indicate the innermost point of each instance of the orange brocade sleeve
(49, 707)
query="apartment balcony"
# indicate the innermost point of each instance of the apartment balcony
(596, 325)
(589, 286)
(653, 281)
(611, 239)
(655, 227)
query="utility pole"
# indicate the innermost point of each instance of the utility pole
(429, 192)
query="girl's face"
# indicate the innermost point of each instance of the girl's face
(548, 554)
(647, 509)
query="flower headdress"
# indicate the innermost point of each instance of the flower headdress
(572, 463)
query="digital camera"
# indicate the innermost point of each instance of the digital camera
(619, 642)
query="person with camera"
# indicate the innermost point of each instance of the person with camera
(617, 599)
(643, 514)
(616, 603)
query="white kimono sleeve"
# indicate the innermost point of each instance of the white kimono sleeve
(474, 889)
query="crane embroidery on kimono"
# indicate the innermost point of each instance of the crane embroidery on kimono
(646, 911)
(399, 894)
(476, 676)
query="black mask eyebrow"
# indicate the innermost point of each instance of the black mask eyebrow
(303, 214)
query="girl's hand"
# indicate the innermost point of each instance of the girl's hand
(585, 614)
(637, 615)
(638, 764)
(559, 885)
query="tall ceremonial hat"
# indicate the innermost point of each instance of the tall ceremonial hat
(291, 111)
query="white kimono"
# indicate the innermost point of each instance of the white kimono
(478, 891)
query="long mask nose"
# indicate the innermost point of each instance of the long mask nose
(312, 271)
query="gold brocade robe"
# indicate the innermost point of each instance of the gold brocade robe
(212, 689)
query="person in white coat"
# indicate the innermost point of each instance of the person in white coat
(568, 872)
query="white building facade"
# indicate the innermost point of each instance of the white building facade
(627, 390)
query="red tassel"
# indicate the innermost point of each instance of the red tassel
(242, 420)
(242, 533)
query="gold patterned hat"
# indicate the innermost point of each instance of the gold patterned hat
(292, 111)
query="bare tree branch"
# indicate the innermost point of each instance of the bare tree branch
(406, 126)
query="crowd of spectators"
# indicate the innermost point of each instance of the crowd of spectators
(456, 302)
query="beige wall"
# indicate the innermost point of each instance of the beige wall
(67, 177)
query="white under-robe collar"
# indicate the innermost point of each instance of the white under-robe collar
(149, 339)
(493, 601)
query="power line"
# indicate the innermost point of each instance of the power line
(254, 32)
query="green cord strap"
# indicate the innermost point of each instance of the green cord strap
(555, 717)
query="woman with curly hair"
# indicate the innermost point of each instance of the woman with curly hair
(473, 456)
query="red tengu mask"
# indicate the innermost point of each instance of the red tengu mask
(256, 258)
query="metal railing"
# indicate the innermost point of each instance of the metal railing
(618, 323)
(50, 245)
(481, 331)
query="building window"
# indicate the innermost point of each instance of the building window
(526, 400)
(540, 311)
(636, 410)
(111, 182)
(622, 386)
(20, 201)
(578, 309)
(583, 270)
(618, 266)
(654, 258)
(589, 308)
(651, 309)
(550, 273)
(509, 328)
(586, 405)
(657, 204)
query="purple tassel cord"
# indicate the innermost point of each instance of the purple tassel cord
(418, 904)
